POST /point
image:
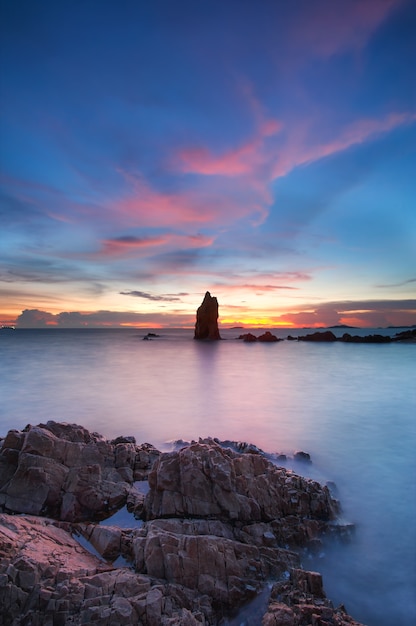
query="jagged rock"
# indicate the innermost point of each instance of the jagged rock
(221, 523)
(207, 556)
(206, 480)
(301, 600)
(63, 471)
(206, 326)
(48, 578)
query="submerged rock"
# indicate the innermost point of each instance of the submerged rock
(206, 326)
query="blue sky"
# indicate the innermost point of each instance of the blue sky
(265, 151)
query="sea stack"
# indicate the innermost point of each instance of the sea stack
(206, 326)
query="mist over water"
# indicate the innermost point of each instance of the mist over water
(351, 406)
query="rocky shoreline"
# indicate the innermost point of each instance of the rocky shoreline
(218, 525)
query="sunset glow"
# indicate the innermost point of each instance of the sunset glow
(262, 151)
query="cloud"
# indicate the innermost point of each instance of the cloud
(401, 284)
(149, 296)
(34, 318)
(327, 28)
(297, 152)
(240, 161)
(127, 245)
(365, 313)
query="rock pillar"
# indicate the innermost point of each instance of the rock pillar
(206, 326)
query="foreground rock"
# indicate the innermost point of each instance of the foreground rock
(302, 600)
(66, 472)
(218, 526)
(206, 326)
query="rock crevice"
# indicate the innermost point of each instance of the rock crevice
(218, 525)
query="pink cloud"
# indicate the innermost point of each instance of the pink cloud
(296, 153)
(329, 27)
(142, 246)
(241, 161)
(233, 163)
(186, 209)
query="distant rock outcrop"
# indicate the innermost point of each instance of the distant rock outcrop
(266, 337)
(206, 326)
(327, 335)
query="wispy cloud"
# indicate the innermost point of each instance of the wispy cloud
(154, 298)
(127, 245)
(298, 152)
(325, 28)
(401, 284)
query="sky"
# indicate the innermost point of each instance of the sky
(264, 150)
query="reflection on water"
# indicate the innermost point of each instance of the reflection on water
(351, 406)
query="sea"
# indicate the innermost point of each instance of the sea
(352, 407)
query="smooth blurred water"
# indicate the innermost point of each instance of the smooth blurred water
(351, 406)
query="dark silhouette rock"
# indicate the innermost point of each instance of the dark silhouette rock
(268, 337)
(206, 326)
(248, 337)
(347, 338)
(406, 335)
(327, 335)
(302, 456)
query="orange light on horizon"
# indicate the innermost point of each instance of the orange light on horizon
(252, 322)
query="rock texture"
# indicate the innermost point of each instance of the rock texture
(64, 471)
(218, 526)
(301, 600)
(206, 326)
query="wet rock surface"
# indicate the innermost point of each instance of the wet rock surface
(219, 524)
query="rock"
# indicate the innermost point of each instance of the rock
(268, 337)
(47, 577)
(406, 335)
(248, 337)
(221, 522)
(304, 457)
(207, 557)
(327, 335)
(206, 480)
(206, 326)
(346, 337)
(64, 471)
(301, 600)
